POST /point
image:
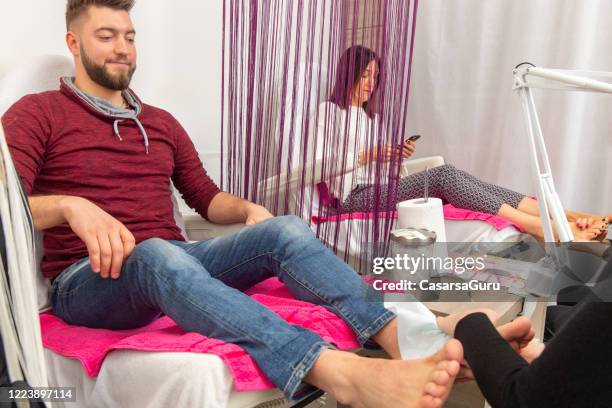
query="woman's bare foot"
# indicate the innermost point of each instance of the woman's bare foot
(533, 225)
(373, 383)
(584, 221)
(596, 232)
(580, 234)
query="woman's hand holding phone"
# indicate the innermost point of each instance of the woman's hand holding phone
(386, 152)
(409, 146)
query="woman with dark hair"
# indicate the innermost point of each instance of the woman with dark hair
(349, 115)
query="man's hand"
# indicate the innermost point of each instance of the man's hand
(256, 214)
(108, 241)
(228, 209)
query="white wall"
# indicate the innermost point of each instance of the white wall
(461, 98)
(462, 102)
(179, 62)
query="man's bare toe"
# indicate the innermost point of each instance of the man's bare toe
(452, 351)
(448, 323)
(435, 390)
(444, 374)
(451, 367)
(430, 401)
(440, 377)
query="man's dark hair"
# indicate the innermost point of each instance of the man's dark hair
(74, 8)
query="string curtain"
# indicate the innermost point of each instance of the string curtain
(285, 144)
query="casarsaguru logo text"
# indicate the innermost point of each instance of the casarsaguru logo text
(425, 285)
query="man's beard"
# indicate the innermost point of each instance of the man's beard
(100, 75)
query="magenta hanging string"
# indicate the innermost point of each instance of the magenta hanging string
(315, 101)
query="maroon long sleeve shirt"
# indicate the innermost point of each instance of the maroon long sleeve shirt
(61, 145)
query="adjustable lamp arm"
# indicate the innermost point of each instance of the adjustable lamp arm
(548, 199)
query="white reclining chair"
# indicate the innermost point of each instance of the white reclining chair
(131, 378)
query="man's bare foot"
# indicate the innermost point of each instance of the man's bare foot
(440, 382)
(448, 323)
(373, 383)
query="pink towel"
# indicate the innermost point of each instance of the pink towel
(90, 346)
(450, 213)
(460, 214)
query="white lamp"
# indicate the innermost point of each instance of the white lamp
(525, 76)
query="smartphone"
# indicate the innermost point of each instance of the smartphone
(414, 138)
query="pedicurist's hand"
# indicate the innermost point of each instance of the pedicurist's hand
(108, 241)
(532, 350)
(448, 324)
(465, 373)
(256, 214)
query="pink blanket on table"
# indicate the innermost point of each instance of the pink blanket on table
(90, 346)
(450, 213)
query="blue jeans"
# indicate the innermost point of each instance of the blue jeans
(199, 285)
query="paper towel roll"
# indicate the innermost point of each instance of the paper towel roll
(419, 213)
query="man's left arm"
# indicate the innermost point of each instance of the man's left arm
(227, 209)
(201, 193)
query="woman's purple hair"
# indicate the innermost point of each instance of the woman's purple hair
(351, 66)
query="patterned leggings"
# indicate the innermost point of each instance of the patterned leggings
(446, 182)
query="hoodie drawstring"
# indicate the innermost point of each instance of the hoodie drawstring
(143, 132)
(116, 128)
(107, 108)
